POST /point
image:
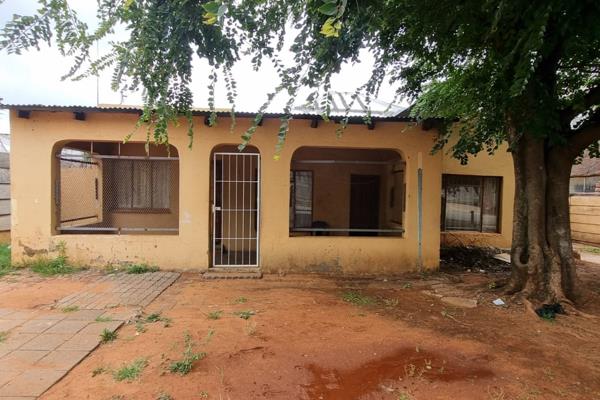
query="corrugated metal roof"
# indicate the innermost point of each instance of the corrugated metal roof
(299, 113)
(340, 101)
(587, 167)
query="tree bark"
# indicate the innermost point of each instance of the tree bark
(542, 254)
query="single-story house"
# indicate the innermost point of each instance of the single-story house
(375, 200)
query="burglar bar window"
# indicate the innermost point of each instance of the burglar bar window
(471, 203)
(301, 186)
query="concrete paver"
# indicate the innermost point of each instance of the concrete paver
(46, 341)
(42, 346)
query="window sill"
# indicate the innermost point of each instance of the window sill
(141, 211)
(473, 233)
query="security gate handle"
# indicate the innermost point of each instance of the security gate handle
(215, 208)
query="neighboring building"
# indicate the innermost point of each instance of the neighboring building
(372, 201)
(4, 187)
(584, 200)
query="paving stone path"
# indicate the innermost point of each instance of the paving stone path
(39, 347)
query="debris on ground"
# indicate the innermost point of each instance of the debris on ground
(549, 311)
(468, 258)
(499, 302)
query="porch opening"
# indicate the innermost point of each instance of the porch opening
(235, 206)
(117, 188)
(346, 192)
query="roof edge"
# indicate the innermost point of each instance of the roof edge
(195, 112)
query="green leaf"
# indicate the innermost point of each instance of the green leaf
(212, 7)
(328, 9)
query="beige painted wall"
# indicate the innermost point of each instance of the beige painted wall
(500, 164)
(585, 218)
(35, 140)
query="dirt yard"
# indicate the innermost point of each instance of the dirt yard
(312, 337)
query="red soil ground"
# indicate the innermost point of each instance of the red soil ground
(306, 342)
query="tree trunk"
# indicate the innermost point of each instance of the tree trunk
(542, 254)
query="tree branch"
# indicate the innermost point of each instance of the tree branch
(591, 98)
(585, 135)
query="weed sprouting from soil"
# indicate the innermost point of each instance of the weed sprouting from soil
(358, 299)
(240, 300)
(101, 318)
(185, 365)
(52, 266)
(164, 396)
(245, 314)
(108, 336)
(69, 309)
(140, 268)
(215, 315)
(130, 372)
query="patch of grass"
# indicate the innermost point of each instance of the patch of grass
(164, 396)
(5, 264)
(140, 268)
(151, 319)
(402, 396)
(358, 299)
(130, 372)
(185, 365)
(3, 336)
(47, 266)
(215, 314)
(590, 249)
(69, 309)
(245, 314)
(240, 300)
(108, 335)
(101, 318)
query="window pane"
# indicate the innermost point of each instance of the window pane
(463, 203)
(141, 184)
(161, 184)
(491, 193)
(303, 199)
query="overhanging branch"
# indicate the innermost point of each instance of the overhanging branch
(584, 136)
(591, 98)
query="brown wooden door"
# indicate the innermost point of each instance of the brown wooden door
(364, 204)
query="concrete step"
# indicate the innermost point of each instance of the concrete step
(232, 273)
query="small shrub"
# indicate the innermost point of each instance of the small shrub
(245, 314)
(240, 300)
(357, 299)
(140, 268)
(70, 309)
(102, 318)
(108, 335)
(185, 365)
(139, 327)
(130, 372)
(215, 314)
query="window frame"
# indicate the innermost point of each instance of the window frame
(292, 204)
(482, 178)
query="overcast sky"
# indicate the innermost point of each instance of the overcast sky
(34, 77)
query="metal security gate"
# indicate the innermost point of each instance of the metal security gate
(235, 209)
